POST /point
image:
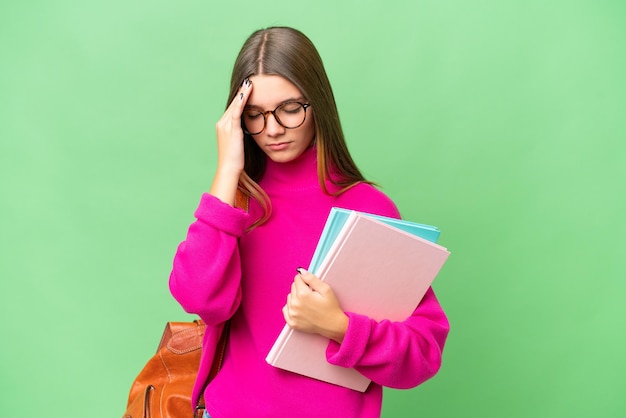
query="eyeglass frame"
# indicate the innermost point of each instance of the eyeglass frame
(305, 106)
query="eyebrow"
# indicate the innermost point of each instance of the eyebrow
(297, 99)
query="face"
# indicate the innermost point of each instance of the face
(277, 142)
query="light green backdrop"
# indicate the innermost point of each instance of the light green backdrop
(501, 122)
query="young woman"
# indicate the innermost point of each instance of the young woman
(281, 143)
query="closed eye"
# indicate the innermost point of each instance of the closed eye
(251, 115)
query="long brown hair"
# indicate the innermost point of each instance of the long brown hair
(289, 53)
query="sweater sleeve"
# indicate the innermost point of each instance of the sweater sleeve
(395, 354)
(206, 273)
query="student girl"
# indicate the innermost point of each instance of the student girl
(281, 143)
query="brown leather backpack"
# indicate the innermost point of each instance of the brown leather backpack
(163, 387)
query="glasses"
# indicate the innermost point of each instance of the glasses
(289, 115)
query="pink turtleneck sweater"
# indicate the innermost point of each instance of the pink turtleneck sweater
(220, 271)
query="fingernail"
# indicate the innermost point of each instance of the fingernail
(301, 270)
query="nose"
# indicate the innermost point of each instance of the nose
(272, 127)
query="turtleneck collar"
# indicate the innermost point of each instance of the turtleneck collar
(300, 173)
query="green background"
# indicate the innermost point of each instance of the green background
(501, 122)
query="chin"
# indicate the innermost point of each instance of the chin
(284, 157)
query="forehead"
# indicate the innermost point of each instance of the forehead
(268, 91)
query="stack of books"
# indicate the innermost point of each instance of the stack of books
(377, 266)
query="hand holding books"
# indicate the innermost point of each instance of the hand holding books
(313, 307)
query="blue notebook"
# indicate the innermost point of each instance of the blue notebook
(338, 216)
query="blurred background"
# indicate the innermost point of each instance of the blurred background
(500, 122)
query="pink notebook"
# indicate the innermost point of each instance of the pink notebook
(376, 270)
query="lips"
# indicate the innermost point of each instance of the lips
(278, 146)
